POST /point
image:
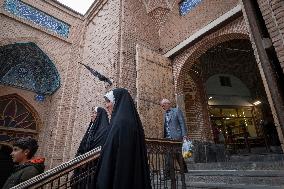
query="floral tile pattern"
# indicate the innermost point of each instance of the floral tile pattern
(36, 16)
(187, 5)
(26, 66)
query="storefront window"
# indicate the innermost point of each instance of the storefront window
(231, 124)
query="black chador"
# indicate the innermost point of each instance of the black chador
(96, 133)
(123, 163)
(95, 136)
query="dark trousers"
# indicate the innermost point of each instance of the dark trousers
(170, 159)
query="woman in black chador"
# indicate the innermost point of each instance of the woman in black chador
(123, 163)
(95, 136)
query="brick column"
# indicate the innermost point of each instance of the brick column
(267, 72)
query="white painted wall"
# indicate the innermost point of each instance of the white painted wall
(237, 95)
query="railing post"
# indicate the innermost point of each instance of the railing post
(172, 170)
(182, 166)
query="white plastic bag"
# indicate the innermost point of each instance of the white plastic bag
(187, 147)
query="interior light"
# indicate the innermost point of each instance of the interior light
(257, 103)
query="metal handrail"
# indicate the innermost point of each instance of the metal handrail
(166, 163)
(162, 155)
(60, 170)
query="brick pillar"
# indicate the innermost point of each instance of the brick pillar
(273, 15)
(267, 72)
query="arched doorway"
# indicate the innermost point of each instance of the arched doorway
(28, 79)
(17, 119)
(229, 99)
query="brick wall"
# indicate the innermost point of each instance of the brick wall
(240, 63)
(42, 109)
(106, 40)
(191, 87)
(159, 27)
(265, 83)
(177, 28)
(136, 28)
(56, 116)
(273, 14)
(154, 82)
(182, 62)
(194, 107)
(100, 51)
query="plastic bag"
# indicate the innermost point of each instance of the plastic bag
(187, 148)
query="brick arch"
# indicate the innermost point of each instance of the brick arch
(193, 113)
(184, 61)
(198, 121)
(195, 108)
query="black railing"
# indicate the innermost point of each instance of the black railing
(62, 176)
(167, 166)
(164, 158)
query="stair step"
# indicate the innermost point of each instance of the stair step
(258, 179)
(217, 185)
(251, 177)
(275, 165)
(195, 185)
(257, 157)
(237, 173)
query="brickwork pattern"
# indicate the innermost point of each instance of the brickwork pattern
(56, 110)
(193, 108)
(266, 87)
(197, 114)
(236, 29)
(159, 10)
(273, 14)
(177, 28)
(230, 58)
(100, 52)
(151, 90)
(137, 28)
(106, 41)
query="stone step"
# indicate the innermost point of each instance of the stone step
(237, 173)
(270, 165)
(217, 185)
(261, 157)
(198, 185)
(259, 150)
(256, 157)
(250, 177)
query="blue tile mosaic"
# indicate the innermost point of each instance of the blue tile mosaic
(36, 16)
(39, 97)
(26, 66)
(186, 5)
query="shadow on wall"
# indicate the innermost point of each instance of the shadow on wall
(6, 163)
